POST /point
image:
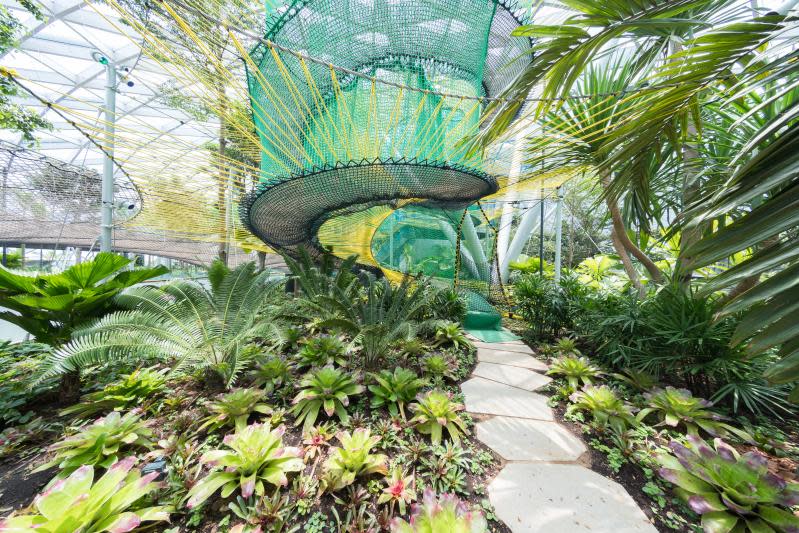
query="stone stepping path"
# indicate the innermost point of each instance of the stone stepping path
(509, 375)
(542, 487)
(509, 358)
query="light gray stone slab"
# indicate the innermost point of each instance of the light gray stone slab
(507, 346)
(504, 357)
(548, 498)
(517, 439)
(511, 375)
(491, 398)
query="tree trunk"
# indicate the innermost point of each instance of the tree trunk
(624, 239)
(69, 388)
(627, 263)
(261, 261)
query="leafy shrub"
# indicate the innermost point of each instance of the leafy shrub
(445, 304)
(436, 515)
(12, 438)
(450, 334)
(731, 492)
(436, 412)
(352, 459)
(235, 407)
(675, 407)
(130, 390)
(98, 443)
(256, 455)
(606, 408)
(328, 389)
(322, 351)
(20, 363)
(575, 369)
(395, 389)
(78, 503)
(541, 304)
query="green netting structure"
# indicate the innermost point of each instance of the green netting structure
(386, 136)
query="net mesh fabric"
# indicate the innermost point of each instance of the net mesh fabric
(340, 146)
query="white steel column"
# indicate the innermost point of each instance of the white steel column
(506, 219)
(106, 235)
(558, 232)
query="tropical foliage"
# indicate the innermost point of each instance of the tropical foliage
(436, 412)
(254, 456)
(183, 324)
(81, 503)
(731, 492)
(327, 388)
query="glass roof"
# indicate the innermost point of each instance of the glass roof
(55, 56)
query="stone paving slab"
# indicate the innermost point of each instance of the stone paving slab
(517, 439)
(549, 498)
(506, 346)
(521, 378)
(491, 398)
(504, 357)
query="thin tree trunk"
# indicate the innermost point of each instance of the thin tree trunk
(626, 262)
(621, 234)
(69, 388)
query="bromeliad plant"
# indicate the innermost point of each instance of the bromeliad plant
(399, 491)
(235, 407)
(436, 412)
(436, 515)
(270, 373)
(675, 407)
(575, 369)
(327, 388)
(322, 351)
(98, 443)
(256, 456)
(130, 390)
(450, 334)
(352, 459)
(438, 366)
(78, 503)
(731, 492)
(606, 408)
(395, 389)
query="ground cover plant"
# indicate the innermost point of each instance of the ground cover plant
(311, 438)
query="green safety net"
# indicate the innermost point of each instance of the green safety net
(374, 137)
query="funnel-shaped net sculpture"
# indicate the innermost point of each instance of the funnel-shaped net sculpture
(363, 143)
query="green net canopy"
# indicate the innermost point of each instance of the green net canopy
(381, 123)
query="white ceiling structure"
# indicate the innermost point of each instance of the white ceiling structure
(56, 57)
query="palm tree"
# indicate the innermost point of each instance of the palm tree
(573, 136)
(184, 324)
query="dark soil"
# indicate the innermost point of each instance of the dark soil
(18, 485)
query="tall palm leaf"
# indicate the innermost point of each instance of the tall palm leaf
(182, 323)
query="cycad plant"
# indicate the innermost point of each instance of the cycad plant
(52, 306)
(182, 323)
(383, 317)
